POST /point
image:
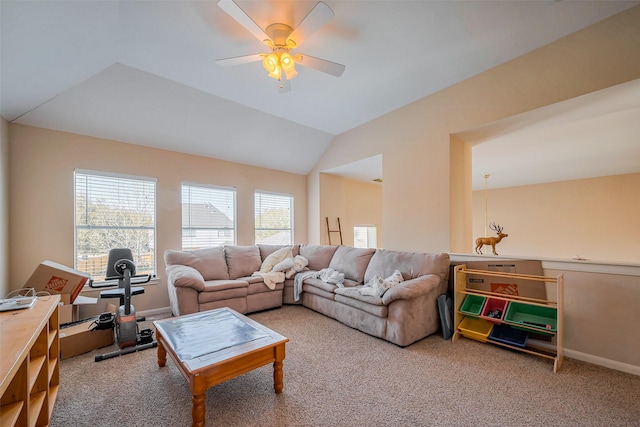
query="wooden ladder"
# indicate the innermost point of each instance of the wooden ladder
(329, 230)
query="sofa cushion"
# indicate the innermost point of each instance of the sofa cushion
(275, 258)
(410, 264)
(319, 256)
(242, 260)
(260, 287)
(210, 262)
(352, 297)
(352, 262)
(216, 290)
(317, 283)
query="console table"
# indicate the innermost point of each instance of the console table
(29, 366)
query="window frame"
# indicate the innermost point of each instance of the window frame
(291, 198)
(232, 190)
(368, 228)
(153, 228)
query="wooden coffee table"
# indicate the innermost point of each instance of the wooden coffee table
(215, 346)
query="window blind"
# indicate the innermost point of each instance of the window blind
(114, 211)
(208, 216)
(273, 218)
(365, 236)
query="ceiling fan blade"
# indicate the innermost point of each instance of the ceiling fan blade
(319, 64)
(284, 86)
(234, 11)
(316, 19)
(238, 60)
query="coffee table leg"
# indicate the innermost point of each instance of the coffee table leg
(198, 411)
(278, 384)
(162, 354)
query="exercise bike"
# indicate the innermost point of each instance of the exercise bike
(127, 334)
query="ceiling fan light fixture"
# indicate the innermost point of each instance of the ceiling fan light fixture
(280, 63)
(288, 65)
(271, 63)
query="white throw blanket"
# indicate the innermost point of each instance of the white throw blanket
(270, 278)
(328, 275)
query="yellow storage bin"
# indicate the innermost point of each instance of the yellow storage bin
(476, 329)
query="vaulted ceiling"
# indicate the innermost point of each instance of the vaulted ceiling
(144, 72)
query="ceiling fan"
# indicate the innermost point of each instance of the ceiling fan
(282, 39)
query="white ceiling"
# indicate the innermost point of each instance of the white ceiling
(143, 72)
(593, 135)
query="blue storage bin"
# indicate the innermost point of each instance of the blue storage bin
(508, 335)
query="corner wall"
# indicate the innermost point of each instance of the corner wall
(41, 192)
(5, 284)
(415, 140)
(354, 203)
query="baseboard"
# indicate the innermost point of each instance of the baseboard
(601, 361)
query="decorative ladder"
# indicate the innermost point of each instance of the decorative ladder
(329, 230)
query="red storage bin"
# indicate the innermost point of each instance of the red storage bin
(494, 310)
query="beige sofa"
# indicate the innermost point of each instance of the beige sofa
(406, 312)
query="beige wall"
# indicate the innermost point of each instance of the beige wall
(601, 316)
(420, 194)
(4, 208)
(41, 196)
(427, 181)
(354, 202)
(595, 218)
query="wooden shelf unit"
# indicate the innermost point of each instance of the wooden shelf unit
(30, 363)
(551, 351)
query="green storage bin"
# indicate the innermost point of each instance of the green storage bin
(544, 319)
(473, 305)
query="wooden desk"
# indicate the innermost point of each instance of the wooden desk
(29, 363)
(215, 346)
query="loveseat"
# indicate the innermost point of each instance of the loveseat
(388, 294)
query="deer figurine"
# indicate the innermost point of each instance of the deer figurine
(493, 241)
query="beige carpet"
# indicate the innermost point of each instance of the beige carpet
(337, 376)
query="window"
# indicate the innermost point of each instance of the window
(114, 211)
(274, 218)
(208, 216)
(364, 236)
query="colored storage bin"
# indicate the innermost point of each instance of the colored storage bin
(543, 318)
(472, 305)
(476, 329)
(507, 335)
(494, 310)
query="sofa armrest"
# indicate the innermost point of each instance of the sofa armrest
(185, 276)
(410, 289)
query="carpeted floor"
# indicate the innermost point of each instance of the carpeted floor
(337, 376)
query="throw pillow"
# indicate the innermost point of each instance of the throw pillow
(284, 265)
(379, 285)
(395, 278)
(299, 264)
(275, 258)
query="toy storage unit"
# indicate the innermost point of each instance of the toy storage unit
(510, 320)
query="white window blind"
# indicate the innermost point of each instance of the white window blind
(208, 216)
(274, 218)
(365, 236)
(114, 211)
